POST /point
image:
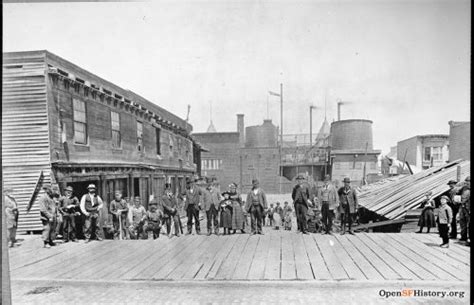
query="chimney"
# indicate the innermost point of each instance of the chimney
(241, 129)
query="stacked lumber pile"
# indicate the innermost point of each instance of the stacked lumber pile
(392, 198)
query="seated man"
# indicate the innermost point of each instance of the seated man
(137, 218)
(153, 220)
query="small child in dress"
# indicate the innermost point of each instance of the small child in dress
(278, 216)
(287, 216)
(225, 208)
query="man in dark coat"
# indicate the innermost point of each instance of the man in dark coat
(348, 205)
(48, 212)
(170, 210)
(301, 202)
(256, 205)
(69, 208)
(465, 210)
(211, 199)
(454, 207)
(192, 205)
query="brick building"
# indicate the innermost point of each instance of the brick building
(459, 140)
(71, 127)
(424, 151)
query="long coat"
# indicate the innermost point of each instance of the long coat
(210, 197)
(238, 219)
(168, 205)
(300, 195)
(348, 197)
(262, 200)
(11, 212)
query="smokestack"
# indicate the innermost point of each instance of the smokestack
(241, 129)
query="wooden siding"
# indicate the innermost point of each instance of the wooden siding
(25, 138)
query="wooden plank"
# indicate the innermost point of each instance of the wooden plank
(257, 268)
(335, 267)
(161, 252)
(349, 265)
(452, 251)
(193, 266)
(229, 265)
(457, 270)
(185, 256)
(206, 260)
(302, 264)
(245, 260)
(75, 266)
(116, 265)
(403, 272)
(406, 260)
(288, 266)
(273, 262)
(210, 272)
(361, 260)
(318, 264)
(59, 265)
(454, 246)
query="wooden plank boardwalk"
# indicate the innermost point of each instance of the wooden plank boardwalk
(277, 255)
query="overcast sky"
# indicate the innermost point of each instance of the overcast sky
(404, 64)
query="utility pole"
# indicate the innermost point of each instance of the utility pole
(281, 130)
(311, 107)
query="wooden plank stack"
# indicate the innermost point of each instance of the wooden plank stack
(392, 198)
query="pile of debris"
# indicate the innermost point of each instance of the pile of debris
(391, 198)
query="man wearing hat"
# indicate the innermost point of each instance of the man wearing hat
(348, 205)
(192, 199)
(301, 202)
(327, 196)
(48, 211)
(454, 207)
(211, 199)
(91, 204)
(465, 215)
(170, 210)
(119, 211)
(69, 208)
(11, 215)
(256, 204)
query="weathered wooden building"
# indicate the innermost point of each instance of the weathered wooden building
(77, 128)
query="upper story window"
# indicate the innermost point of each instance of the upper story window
(80, 122)
(433, 152)
(140, 136)
(158, 141)
(115, 121)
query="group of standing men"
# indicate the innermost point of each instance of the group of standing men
(327, 199)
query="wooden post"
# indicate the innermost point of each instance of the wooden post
(6, 285)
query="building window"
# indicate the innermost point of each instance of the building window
(116, 139)
(80, 122)
(158, 141)
(211, 164)
(427, 155)
(437, 153)
(337, 165)
(140, 136)
(171, 144)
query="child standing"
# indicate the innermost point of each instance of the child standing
(137, 216)
(444, 218)
(287, 216)
(427, 218)
(226, 213)
(278, 216)
(271, 211)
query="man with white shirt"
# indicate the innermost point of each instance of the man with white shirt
(328, 198)
(256, 204)
(91, 204)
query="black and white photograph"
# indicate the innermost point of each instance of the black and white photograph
(236, 152)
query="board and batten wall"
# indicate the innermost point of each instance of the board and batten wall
(25, 133)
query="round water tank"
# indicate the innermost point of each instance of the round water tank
(351, 134)
(264, 135)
